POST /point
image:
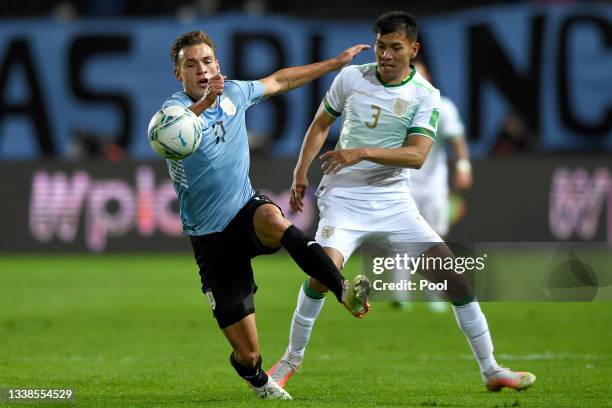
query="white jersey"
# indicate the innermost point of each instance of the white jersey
(433, 176)
(377, 115)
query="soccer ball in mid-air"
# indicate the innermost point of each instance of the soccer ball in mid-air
(174, 132)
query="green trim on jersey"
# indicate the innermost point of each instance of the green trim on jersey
(433, 119)
(422, 85)
(421, 131)
(331, 111)
(404, 82)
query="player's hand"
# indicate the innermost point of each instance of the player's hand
(214, 88)
(462, 180)
(298, 190)
(336, 160)
(347, 55)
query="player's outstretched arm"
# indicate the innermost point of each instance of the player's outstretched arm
(313, 141)
(289, 78)
(412, 155)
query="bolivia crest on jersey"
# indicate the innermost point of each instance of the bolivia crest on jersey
(327, 231)
(401, 107)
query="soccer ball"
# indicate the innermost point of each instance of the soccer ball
(175, 132)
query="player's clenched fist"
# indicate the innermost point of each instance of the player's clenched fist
(214, 88)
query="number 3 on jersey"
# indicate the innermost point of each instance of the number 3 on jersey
(375, 116)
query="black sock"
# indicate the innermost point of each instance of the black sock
(312, 259)
(254, 375)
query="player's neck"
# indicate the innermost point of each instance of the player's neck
(401, 79)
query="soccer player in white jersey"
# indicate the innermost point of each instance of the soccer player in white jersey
(429, 185)
(390, 113)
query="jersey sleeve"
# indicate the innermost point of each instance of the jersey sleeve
(450, 121)
(253, 91)
(336, 96)
(425, 120)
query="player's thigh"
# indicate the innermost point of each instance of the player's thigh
(434, 209)
(404, 232)
(338, 243)
(257, 228)
(403, 229)
(226, 275)
(457, 285)
(434, 254)
(231, 299)
(339, 228)
(270, 225)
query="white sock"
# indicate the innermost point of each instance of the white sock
(306, 312)
(473, 324)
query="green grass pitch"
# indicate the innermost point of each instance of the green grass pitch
(135, 331)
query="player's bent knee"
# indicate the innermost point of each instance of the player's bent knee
(270, 225)
(275, 222)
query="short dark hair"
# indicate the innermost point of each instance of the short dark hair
(397, 21)
(187, 40)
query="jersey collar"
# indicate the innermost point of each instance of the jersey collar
(404, 81)
(211, 107)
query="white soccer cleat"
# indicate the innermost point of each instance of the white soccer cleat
(271, 390)
(284, 368)
(355, 296)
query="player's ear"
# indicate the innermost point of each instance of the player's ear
(218, 66)
(415, 50)
(177, 74)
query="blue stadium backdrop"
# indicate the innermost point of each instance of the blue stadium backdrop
(107, 77)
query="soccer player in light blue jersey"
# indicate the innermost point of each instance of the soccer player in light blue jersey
(228, 221)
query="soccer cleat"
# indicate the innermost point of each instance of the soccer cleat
(271, 390)
(284, 368)
(500, 377)
(355, 296)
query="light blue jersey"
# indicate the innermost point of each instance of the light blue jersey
(213, 182)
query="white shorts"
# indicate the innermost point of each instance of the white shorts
(434, 208)
(346, 223)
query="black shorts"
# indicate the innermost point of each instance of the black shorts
(224, 259)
